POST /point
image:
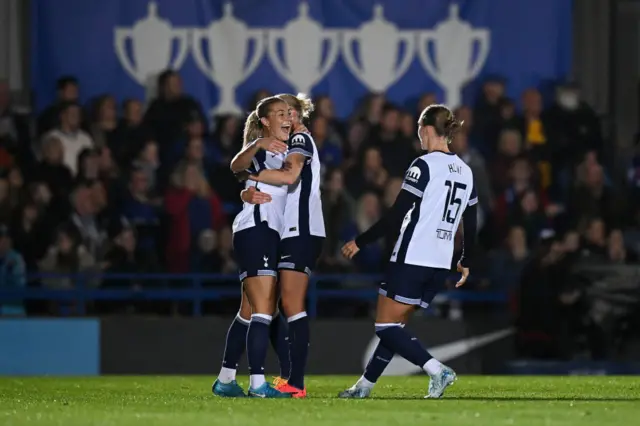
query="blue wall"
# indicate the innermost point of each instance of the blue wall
(62, 347)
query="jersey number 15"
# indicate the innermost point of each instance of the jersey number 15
(453, 202)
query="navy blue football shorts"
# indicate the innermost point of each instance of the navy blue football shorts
(256, 251)
(300, 253)
(413, 284)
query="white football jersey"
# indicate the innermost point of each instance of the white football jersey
(272, 212)
(303, 212)
(444, 184)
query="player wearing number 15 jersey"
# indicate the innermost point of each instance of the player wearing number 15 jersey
(437, 193)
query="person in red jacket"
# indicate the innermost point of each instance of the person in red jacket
(193, 207)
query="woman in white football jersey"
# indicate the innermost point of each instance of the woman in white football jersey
(302, 236)
(256, 236)
(437, 194)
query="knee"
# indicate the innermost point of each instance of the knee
(292, 305)
(265, 307)
(382, 328)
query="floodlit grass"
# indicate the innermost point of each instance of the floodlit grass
(169, 401)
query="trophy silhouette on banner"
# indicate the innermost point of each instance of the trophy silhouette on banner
(303, 40)
(228, 42)
(453, 41)
(152, 45)
(379, 41)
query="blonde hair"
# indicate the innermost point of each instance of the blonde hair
(253, 126)
(300, 102)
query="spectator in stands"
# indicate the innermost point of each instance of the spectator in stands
(227, 139)
(529, 214)
(370, 109)
(131, 132)
(193, 207)
(68, 256)
(369, 175)
(85, 218)
(521, 179)
(142, 210)
(368, 212)
(397, 152)
(67, 91)
(473, 158)
(592, 197)
(13, 273)
(508, 114)
(206, 259)
(508, 261)
(354, 143)
(574, 124)
(148, 161)
(104, 122)
(408, 130)
(170, 110)
(73, 138)
(123, 258)
(29, 235)
(195, 147)
(224, 248)
(338, 210)
(14, 130)
(535, 128)
(330, 151)
(52, 168)
(53, 210)
(487, 121)
(509, 148)
(17, 190)
(108, 171)
(325, 109)
(88, 168)
(616, 249)
(594, 246)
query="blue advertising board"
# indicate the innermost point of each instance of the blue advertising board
(43, 347)
(228, 50)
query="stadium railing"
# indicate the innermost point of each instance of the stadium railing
(197, 288)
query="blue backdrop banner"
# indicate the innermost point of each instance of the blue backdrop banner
(227, 50)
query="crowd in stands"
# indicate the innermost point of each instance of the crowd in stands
(109, 187)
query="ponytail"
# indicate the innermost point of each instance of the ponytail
(251, 128)
(442, 119)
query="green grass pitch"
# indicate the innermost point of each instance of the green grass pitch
(187, 401)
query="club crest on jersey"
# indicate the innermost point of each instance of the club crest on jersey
(413, 174)
(298, 140)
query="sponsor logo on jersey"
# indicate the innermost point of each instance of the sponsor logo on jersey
(298, 141)
(413, 174)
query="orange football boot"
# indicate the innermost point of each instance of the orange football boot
(295, 392)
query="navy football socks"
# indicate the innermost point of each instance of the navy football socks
(280, 343)
(400, 341)
(257, 344)
(299, 348)
(380, 358)
(234, 348)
